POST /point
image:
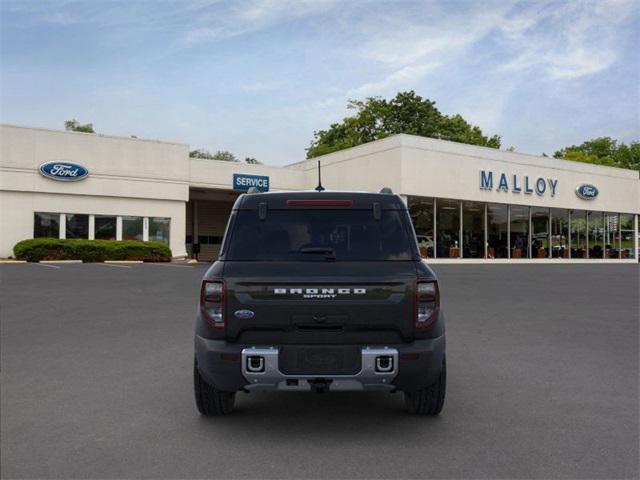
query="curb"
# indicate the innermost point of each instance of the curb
(8, 262)
(60, 261)
(123, 261)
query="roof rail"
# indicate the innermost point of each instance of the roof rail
(386, 190)
(253, 190)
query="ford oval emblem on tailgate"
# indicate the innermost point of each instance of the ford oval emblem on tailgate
(245, 314)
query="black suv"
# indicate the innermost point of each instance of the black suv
(317, 291)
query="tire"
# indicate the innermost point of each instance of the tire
(209, 400)
(429, 400)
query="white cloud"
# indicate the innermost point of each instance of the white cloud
(405, 77)
(252, 16)
(564, 41)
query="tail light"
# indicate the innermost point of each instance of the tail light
(212, 299)
(427, 303)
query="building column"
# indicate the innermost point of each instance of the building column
(63, 225)
(549, 236)
(486, 232)
(461, 232)
(569, 232)
(635, 237)
(530, 239)
(118, 227)
(195, 245)
(509, 232)
(435, 230)
(145, 229)
(92, 227)
(586, 234)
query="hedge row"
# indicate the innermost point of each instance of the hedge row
(37, 249)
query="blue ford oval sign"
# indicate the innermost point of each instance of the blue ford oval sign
(63, 171)
(586, 191)
(244, 314)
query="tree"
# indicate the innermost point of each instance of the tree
(252, 161)
(225, 156)
(604, 151)
(219, 155)
(201, 153)
(377, 118)
(75, 126)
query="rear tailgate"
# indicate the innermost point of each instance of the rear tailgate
(312, 303)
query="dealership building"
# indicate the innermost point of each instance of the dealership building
(468, 203)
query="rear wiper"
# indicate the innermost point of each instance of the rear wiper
(330, 253)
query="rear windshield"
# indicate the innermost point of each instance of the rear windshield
(320, 235)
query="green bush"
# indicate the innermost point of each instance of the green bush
(36, 249)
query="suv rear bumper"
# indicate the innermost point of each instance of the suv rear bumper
(413, 366)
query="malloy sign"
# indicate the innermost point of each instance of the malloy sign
(518, 183)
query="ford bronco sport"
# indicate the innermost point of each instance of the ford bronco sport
(319, 291)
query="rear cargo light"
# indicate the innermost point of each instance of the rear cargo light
(319, 203)
(212, 299)
(427, 303)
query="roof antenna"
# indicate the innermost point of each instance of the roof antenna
(319, 188)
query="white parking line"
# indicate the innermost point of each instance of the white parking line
(113, 265)
(170, 265)
(46, 265)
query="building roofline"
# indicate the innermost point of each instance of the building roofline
(117, 137)
(480, 151)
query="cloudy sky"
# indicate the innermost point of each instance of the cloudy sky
(258, 77)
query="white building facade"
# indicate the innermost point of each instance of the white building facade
(467, 202)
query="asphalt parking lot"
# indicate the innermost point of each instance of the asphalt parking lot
(96, 383)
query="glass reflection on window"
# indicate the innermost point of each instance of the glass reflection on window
(539, 232)
(473, 230)
(596, 235)
(497, 231)
(559, 233)
(626, 236)
(578, 234)
(611, 235)
(421, 211)
(448, 228)
(519, 231)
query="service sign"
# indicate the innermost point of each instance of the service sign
(245, 182)
(63, 171)
(586, 191)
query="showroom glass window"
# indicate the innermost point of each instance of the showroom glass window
(519, 231)
(448, 228)
(559, 233)
(578, 234)
(105, 227)
(611, 235)
(77, 226)
(596, 235)
(46, 225)
(497, 230)
(132, 228)
(421, 211)
(626, 235)
(159, 229)
(539, 232)
(472, 230)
